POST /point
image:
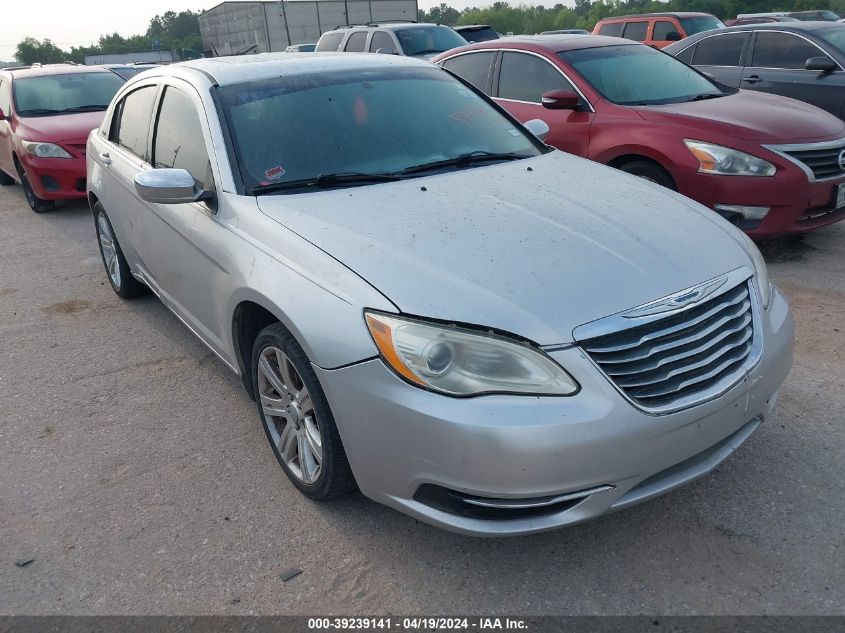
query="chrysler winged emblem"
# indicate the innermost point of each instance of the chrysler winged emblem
(678, 300)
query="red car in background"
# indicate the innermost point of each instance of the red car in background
(769, 164)
(46, 114)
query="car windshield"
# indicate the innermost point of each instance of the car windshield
(65, 93)
(700, 24)
(829, 15)
(373, 121)
(428, 40)
(483, 34)
(834, 36)
(639, 75)
(125, 71)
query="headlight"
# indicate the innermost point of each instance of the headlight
(764, 284)
(45, 150)
(715, 159)
(462, 362)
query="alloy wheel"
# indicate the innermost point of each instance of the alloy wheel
(289, 415)
(109, 249)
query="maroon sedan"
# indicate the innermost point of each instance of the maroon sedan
(46, 114)
(769, 164)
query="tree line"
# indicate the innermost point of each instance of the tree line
(176, 31)
(527, 18)
(180, 31)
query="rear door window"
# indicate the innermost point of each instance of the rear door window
(356, 42)
(613, 29)
(661, 31)
(720, 50)
(5, 98)
(636, 31)
(329, 42)
(131, 129)
(782, 50)
(473, 67)
(382, 41)
(525, 77)
(686, 54)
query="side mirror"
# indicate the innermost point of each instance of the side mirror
(169, 186)
(561, 100)
(538, 128)
(824, 64)
(673, 36)
(386, 51)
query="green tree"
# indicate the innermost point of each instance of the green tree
(31, 51)
(444, 14)
(177, 31)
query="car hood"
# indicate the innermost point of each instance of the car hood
(535, 247)
(749, 115)
(68, 128)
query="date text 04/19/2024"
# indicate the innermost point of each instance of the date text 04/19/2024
(419, 623)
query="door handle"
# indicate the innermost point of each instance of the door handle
(105, 158)
(752, 79)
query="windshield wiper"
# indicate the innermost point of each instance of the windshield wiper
(324, 181)
(463, 160)
(707, 95)
(39, 111)
(46, 111)
(86, 108)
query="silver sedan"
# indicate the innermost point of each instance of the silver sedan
(426, 301)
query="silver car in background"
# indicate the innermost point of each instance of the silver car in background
(425, 300)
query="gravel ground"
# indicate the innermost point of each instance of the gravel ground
(136, 474)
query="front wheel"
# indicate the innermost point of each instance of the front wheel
(296, 416)
(6, 179)
(39, 205)
(117, 269)
(647, 170)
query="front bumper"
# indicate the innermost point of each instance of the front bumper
(56, 178)
(399, 438)
(796, 205)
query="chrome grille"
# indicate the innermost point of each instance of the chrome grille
(689, 352)
(823, 162)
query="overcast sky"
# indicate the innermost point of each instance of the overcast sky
(81, 22)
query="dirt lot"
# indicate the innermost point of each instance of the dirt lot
(135, 473)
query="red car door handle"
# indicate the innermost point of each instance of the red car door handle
(752, 79)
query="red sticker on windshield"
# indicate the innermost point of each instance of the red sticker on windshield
(274, 173)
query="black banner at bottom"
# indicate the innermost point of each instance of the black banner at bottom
(296, 624)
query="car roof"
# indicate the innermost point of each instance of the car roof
(678, 14)
(798, 27)
(54, 69)
(237, 69)
(388, 26)
(555, 43)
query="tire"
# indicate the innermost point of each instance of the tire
(117, 270)
(6, 179)
(650, 171)
(295, 396)
(39, 205)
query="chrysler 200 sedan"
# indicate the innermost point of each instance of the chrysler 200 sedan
(425, 300)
